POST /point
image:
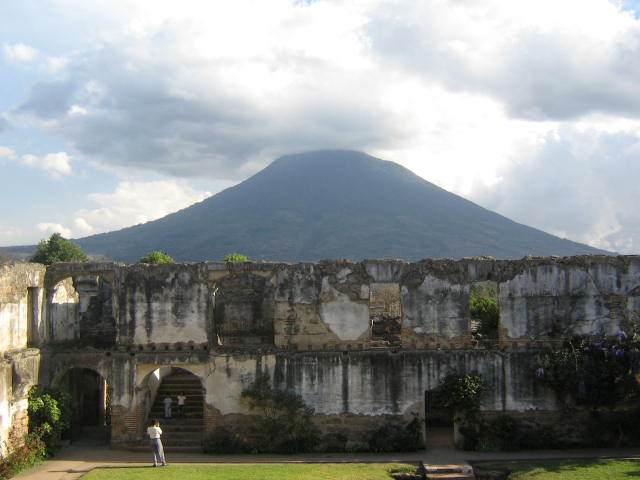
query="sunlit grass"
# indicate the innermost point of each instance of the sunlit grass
(271, 471)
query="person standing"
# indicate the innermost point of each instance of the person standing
(167, 406)
(155, 432)
(181, 401)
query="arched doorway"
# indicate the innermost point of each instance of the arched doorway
(184, 428)
(90, 419)
(438, 423)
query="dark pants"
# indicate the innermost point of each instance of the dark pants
(158, 452)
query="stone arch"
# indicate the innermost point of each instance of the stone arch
(184, 427)
(90, 407)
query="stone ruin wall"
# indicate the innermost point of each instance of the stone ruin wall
(359, 341)
(21, 303)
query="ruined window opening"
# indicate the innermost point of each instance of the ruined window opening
(385, 314)
(484, 311)
(33, 316)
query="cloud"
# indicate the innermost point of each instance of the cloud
(543, 60)
(479, 96)
(579, 184)
(131, 203)
(56, 164)
(19, 52)
(7, 153)
(49, 228)
(189, 98)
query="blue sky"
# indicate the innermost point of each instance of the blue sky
(116, 113)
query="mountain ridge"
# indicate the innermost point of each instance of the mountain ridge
(332, 204)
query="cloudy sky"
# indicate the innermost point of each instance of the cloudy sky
(114, 113)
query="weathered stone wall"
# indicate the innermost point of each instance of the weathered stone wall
(361, 342)
(20, 327)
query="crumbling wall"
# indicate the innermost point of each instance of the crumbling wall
(358, 340)
(163, 304)
(20, 327)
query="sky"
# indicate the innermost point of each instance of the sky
(118, 113)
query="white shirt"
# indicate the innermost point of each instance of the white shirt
(181, 399)
(154, 432)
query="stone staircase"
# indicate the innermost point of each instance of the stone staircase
(449, 472)
(180, 434)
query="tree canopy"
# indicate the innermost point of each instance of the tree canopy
(156, 257)
(235, 257)
(58, 249)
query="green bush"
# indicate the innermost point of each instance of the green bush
(460, 394)
(235, 257)
(155, 258)
(595, 373)
(486, 311)
(58, 249)
(397, 438)
(32, 452)
(221, 440)
(284, 425)
(49, 414)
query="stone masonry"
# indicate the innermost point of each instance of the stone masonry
(361, 342)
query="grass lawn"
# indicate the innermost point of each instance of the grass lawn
(576, 469)
(269, 471)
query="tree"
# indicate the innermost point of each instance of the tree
(156, 257)
(235, 257)
(58, 249)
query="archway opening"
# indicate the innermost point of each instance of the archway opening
(438, 423)
(90, 410)
(177, 400)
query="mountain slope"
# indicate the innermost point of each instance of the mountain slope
(331, 204)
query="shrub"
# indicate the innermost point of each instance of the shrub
(32, 452)
(397, 438)
(58, 249)
(460, 394)
(486, 311)
(155, 258)
(235, 257)
(284, 425)
(221, 440)
(593, 373)
(49, 414)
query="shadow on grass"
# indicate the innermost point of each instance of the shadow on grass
(560, 467)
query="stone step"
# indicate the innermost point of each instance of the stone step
(449, 472)
(173, 448)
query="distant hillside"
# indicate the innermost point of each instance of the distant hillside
(332, 204)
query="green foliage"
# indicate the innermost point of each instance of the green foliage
(156, 257)
(49, 414)
(58, 249)
(266, 471)
(397, 438)
(222, 440)
(235, 257)
(592, 373)
(32, 452)
(487, 311)
(285, 424)
(460, 394)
